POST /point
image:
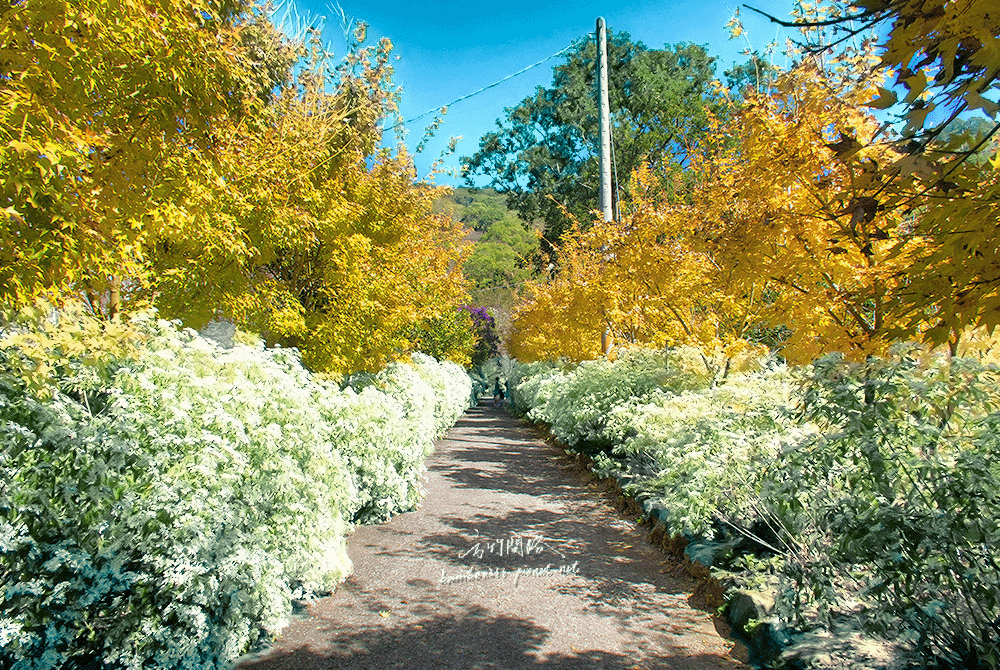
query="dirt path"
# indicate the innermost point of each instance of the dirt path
(514, 561)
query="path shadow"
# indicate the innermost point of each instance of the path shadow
(402, 615)
(467, 640)
(621, 574)
(499, 455)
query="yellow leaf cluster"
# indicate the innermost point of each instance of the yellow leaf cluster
(96, 98)
(41, 337)
(791, 213)
(785, 228)
(958, 39)
(638, 280)
(146, 160)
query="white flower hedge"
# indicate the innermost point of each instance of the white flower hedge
(167, 518)
(865, 496)
(656, 415)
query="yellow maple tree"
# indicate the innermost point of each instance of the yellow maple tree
(166, 155)
(940, 60)
(95, 99)
(783, 226)
(305, 229)
(790, 205)
(638, 280)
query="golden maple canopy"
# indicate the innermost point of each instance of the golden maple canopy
(174, 157)
(808, 221)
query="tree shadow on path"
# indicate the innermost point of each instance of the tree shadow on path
(470, 640)
(454, 584)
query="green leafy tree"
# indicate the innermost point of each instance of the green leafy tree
(755, 76)
(504, 259)
(482, 214)
(504, 256)
(544, 155)
(522, 241)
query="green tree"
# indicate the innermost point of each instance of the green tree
(451, 336)
(522, 241)
(755, 76)
(504, 257)
(544, 155)
(482, 214)
(493, 265)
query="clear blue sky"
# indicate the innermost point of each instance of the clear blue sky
(450, 48)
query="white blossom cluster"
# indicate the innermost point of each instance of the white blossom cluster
(168, 519)
(577, 403)
(655, 415)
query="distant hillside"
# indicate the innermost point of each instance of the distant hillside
(506, 253)
(477, 208)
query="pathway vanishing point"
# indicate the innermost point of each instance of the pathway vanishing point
(516, 560)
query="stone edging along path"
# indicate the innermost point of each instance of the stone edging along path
(515, 560)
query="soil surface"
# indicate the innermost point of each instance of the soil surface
(516, 560)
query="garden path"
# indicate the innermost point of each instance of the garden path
(516, 560)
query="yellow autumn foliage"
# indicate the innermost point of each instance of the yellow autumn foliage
(641, 280)
(49, 340)
(782, 228)
(96, 98)
(204, 179)
(789, 210)
(311, 233)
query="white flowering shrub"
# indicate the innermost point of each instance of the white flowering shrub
(869, 492)
(532, 385)
(894, 506)
(259, 413)
(700, 449)
(452, 388)
(167, 517)
(378, 443)
(414, 394)
(386, 424)
(708, 450)
(579, 411)
(433, 393)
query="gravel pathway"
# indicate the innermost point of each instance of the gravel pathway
(515, 560)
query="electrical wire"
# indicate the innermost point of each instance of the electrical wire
(474, 93)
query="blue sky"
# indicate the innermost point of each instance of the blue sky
(450, 48)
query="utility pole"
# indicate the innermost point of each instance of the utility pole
(605, 118)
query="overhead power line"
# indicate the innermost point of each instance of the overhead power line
(474, 93)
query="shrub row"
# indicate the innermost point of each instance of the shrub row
(864, 497)
(162, 509)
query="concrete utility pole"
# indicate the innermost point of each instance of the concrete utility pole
(605, 202)
(605, 109)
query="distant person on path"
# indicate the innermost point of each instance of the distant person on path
(497, 393)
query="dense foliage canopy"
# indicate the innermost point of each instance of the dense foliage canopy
(544, 156)
(806, 223)
(196, 159)
(939, 60)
